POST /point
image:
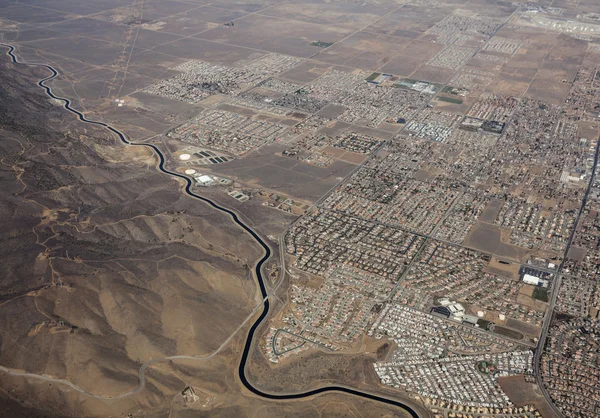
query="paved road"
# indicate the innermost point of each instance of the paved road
(258, 273)
(555, 288)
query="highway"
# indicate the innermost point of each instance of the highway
(258, 267)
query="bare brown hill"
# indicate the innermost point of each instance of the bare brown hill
(105, 263)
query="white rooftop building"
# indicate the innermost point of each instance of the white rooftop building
(534, 280)
(204, 180)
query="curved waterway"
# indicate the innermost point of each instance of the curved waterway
(236, 219)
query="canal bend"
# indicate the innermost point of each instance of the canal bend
(236, 219)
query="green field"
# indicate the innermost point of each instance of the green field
(450, 100)
(373, 76)
(540, 293)
(322, 44)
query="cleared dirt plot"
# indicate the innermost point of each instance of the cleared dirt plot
(534, 297)
(145, 12)
(28, 14)
(410, 20)
(251, 6)
(306, 72)
(522, 69)
(153, 114)
(284, 36)
(352, 157)
(267, 168)
(587, 5)
(334, 129)
(338, 54)
(179, 25)
(213, 14)
(532, 55)
(522, 392)
(488, 238)
(547, 91)
(497, 9)
(199, 49)
(568, 50)
(487, 61)
(194, 21)
(154, 64)
(86, 50)
(433, 74)
(31, 34)
(94, 74)
(103, 86)
(510, 85)
(351, 16)
(332, 111)
(147, 39)
(376, 59)
(363, 50)
(534, 47)
(117, 33)
(553, 70)
(504, 268)
(577, 253)
(523, 327)
(411, 58)
(80, 8)
(87, 91)
(334, 152)
(92, 28)
(90, 74)
(567, 4)
(552, 81)
(7, 3)
(589, 130)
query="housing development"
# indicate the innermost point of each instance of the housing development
(389, 208)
